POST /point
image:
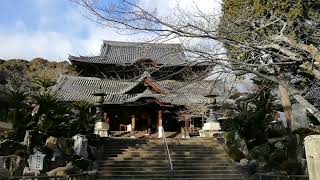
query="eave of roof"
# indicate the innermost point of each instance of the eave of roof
(72, 88)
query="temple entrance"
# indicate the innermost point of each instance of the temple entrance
(170, 122)
(148, 119)
(196, 124)
(119, 120)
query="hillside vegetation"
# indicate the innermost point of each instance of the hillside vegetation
(29, 76)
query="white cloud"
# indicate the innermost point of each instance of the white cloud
(27, 45)
(167, 7)
(54, 45)
(21, 42)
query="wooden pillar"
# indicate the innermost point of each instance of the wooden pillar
(149, 124)
(133, 124)
(106, 118)
(187, 127)
(202, 121)
(160, 127)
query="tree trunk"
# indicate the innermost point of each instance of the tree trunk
(285, 101)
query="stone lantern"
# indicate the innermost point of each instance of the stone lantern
(99, 99)
(101, 128)
(212, 126)
(211, 103)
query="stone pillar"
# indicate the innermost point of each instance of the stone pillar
(133, 124)
(312, 146)
(160, 127)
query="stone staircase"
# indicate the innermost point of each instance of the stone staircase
(146, 159)
(142, 135)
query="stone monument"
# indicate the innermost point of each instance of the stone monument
(312, 146)
(299, 117)
(35, 162)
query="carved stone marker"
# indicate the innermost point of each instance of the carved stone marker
(299, 117)
(312, 146)
(35, 162)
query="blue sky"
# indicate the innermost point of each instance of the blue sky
(37, 15)
(54, 29)
(51, 29)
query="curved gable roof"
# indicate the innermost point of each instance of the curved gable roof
(128, 53)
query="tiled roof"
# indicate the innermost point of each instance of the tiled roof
(128, 53)
(74, 88)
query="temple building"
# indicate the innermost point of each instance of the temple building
(139, 87)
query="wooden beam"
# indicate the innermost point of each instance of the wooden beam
(154, 86)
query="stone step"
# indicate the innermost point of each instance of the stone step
(161, 164)
(131, 158)
(163, 159)
(166, 178)
(145, 175)
(155, 148)
(163, 155)
(162, 146)
(176, 173)
(206, 150)
(146, 159)
(172, 153)
(165, 167)
(161, 143)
